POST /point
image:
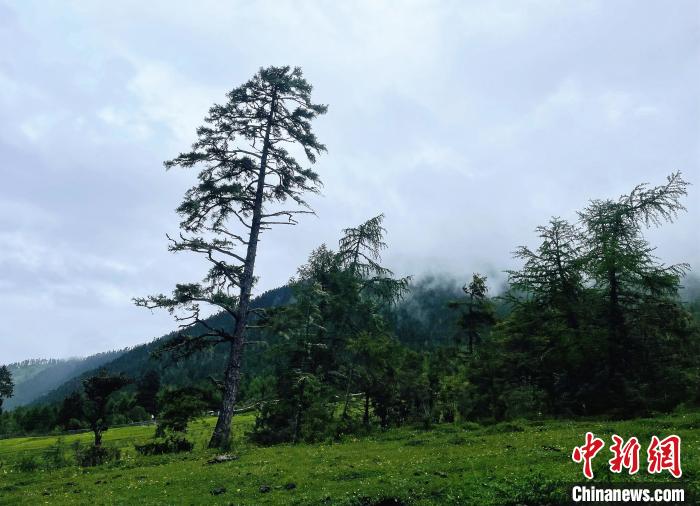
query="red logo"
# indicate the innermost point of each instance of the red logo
(662, 455)
(586, 453)
(665, 455)
(625, 456)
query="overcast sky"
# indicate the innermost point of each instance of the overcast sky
(467, 123)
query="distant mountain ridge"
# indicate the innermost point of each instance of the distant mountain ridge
(135, 361)
(34, 378)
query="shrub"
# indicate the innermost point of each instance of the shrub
(179, 408)
(138, 414)
(96, 455)
(28, 463)
(171, 444)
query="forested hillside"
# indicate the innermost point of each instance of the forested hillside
(138, 360)
(35, 378)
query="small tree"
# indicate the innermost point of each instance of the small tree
(147, 390)
(300, 361)
(179, 407)
(374, 359)
(477, 313)
(71, 412)
(245, 170)
(7, 386)
(97, 392)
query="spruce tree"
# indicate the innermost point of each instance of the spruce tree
(245, 173)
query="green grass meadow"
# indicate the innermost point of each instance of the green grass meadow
(525, 462)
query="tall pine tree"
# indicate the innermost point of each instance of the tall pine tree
(245, 173)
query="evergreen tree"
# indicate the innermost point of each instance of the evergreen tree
(597, 324)
(71, 412)
(639, 295)
(552, 274)
(179, 406)
(6, 385)
(245, 171)
(339, 296)
(620, 261)
(147, 390)
(477, 312)
(98, 389)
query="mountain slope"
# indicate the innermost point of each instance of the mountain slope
(34, 378)
(136, 361)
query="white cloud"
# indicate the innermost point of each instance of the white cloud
(467, 123)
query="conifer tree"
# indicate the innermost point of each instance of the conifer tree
(98, 389)
(621, 263)
(477, 312)
(339, 298)
(147, 390)
(552, 274)
(246, 173)
(7, 386)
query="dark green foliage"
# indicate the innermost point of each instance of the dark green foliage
(170, 444)
(28, 463)
(98, 389)
(422, 319)
(147, 389)
(71, 413)
(301, 401)
(96, 455)
(327, 353)
(477, 313)
(180, 406)
(598, 325)
(6, 385)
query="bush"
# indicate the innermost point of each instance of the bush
(138, 414)
(28, 463)
(171, 444)
(96, 455)
(179, 408)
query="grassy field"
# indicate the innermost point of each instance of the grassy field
(511, 463)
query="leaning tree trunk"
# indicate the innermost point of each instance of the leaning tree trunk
(222, 432)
